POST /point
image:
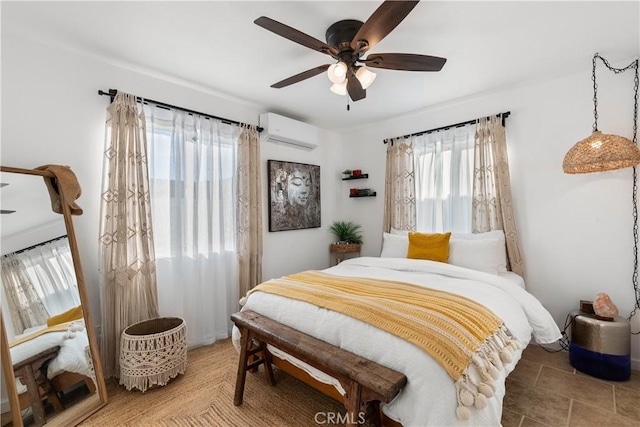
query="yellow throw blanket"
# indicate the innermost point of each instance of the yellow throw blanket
(61, 327)
(458, 333)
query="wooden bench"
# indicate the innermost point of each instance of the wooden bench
(33, 374)
(365, 382)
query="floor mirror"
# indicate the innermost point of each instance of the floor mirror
(51, 368)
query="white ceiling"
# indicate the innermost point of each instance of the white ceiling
(215, 46)
(26, 195)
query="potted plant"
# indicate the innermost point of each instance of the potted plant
(346, 232)
(346, 174)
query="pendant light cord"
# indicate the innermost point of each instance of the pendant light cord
(633, 65)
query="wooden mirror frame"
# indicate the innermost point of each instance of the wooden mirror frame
(7, 367)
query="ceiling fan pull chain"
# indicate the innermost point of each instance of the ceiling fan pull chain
(348, 106)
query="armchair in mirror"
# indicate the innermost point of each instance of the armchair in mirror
(50, 363)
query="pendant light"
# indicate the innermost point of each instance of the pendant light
(602, 152)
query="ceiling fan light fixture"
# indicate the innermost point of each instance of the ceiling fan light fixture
(337, 72)
(340, 88)
(365, 76)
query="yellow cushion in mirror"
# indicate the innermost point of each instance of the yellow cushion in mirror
(74, 313)
(434, 247)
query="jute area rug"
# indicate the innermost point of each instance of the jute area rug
(203, 396)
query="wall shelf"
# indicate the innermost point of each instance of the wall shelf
(364, 195)
(363, 176)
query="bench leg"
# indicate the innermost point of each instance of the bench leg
(267, 364)
(248, 362)
(245, 342)
(353, 402)
(375, 418)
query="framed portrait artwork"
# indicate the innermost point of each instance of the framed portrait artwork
(294, 195)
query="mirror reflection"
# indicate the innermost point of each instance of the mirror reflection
(41, 308)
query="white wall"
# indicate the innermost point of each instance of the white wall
(296, 250)
(52, 113)
(575, 230)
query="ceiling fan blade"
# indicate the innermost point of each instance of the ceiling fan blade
(294, 35)
(405, 62)
(4, 211)
(301, 76)
(386, 17)
(354, 87)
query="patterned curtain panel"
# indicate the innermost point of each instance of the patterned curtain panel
(25, 306)
(249, 220)
(400, 187)
(492, 203)
(126, 251)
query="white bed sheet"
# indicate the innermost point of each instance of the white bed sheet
(429, 398)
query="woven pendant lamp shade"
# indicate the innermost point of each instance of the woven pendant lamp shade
(601, 152)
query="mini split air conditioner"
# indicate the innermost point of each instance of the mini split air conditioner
(283, 130)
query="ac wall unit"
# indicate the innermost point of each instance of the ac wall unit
(283, 130)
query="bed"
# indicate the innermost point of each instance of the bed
(72, 363)
(430, 396)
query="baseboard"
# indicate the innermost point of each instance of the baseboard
(635, 364)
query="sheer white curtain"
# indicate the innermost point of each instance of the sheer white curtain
(192, 173)
(444, 179)
(39, 283)
(50, 268)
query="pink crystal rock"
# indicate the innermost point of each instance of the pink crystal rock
(604, 307)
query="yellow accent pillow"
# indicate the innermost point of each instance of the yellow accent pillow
(74, 313)
(434, 247)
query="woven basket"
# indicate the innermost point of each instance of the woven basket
(152, 352)
(344, 248)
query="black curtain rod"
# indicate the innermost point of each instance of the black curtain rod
(504, 116)
(38, 244)
(112, 93)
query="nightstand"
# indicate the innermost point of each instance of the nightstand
(600, 348)
(338, 252)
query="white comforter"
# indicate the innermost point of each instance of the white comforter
(71, 357)
(429, 398)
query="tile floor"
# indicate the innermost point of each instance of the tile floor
(545, 390)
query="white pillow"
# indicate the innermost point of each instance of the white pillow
(394, 246)
(399, 232)
(499, 250)
(477, 254)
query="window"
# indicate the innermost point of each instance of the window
(192, 167)
(443, 163)
(49, 267)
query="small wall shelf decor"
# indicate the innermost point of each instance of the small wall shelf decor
(361, 192)
(358, 192)
(363, 176)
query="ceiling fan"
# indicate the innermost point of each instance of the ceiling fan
(347, 41)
